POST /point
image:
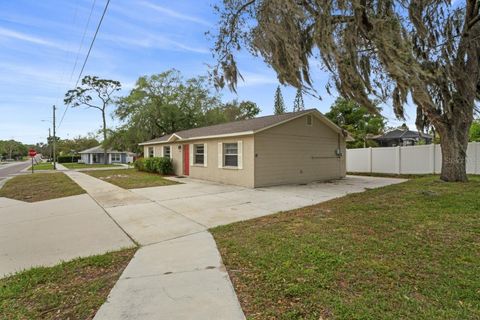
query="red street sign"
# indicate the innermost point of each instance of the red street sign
(32, 153)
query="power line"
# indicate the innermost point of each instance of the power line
(83, 39)
(93, 40)
(88, 55)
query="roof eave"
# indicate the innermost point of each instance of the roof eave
(234, 134)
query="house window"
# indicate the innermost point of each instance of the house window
(230, 154)
(309, 120)
(166, 151)
(199, 153)
(151, 153)
(116, 157)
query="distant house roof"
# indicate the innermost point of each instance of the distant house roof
(99, 149)
(241, 127)
(402, 134)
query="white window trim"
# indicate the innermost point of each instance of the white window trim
(163, 151)
(148, 152)
(205, 157)
(112, 155)
(221, 156)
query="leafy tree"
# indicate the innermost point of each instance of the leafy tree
(358, 121)
(279, 105)
(165, 103)
(475, 131)
(161, 104)
(12, 149)
(298, 104)
(77, 144)
(234, 110)
(95, 93)
(381, 49)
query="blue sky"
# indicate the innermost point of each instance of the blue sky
(40, 41)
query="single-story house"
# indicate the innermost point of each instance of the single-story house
(297, 147)
(402, 137)
(96, 154)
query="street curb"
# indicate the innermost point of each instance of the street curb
(2, 182)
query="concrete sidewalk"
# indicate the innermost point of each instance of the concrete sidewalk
(176, 274)
(143, 219)
(48, 232)
(177, 279)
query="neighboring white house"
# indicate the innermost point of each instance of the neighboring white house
(96, 154)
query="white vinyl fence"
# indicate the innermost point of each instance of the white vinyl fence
(423, 159)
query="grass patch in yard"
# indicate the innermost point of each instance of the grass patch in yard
(71, 290)
(42, 166)
(88, 166)
(131, 178)
(39, 187)
(406, 251)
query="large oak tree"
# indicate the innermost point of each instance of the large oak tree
(426, 51)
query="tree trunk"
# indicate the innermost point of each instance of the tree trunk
(454, 142)
(105, 159)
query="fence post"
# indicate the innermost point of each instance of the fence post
(370, 159)
(398, 156)
(433, 157)
(477, 158)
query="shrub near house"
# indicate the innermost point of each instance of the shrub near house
(161, 165)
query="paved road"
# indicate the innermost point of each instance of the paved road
(12, 168)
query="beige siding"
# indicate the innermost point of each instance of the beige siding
(241, 177)
(211, 172)
(297, 153)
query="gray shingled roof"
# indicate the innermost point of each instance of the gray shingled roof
(232, 127)
(399, 133)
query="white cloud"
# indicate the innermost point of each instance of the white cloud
(175, 14)
(12, 34)
(256, 79)
(151, 40)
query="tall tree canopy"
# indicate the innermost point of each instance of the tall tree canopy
(98, 94)
(390, 50)
(278, 104)
(358, 121)
(298, 104)
(166, 102)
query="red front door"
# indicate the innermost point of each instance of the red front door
(186, 159)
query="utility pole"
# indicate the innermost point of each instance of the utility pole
(49, 141)
(54, 141)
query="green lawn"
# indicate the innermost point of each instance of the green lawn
(88, 166)
(71, 290)
(40, 186)
(42, 166)
(406, 251)
(131, 178)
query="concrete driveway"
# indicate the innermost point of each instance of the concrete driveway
(211, 204)
(47, 232)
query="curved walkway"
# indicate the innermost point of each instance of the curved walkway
(176, 274)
